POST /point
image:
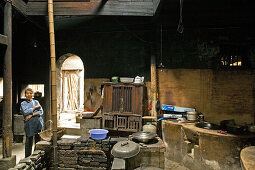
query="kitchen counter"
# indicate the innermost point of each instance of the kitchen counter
(198, 148)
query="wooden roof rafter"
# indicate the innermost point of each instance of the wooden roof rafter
(19, 5)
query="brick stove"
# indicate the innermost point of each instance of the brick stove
(85, 153)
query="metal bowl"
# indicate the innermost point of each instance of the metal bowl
(125, 149)
(143, 136)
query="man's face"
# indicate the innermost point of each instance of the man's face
(29, 95)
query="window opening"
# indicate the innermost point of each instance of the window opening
(37, 88)
(233, 56)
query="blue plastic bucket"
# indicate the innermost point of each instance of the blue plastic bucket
(98, 134)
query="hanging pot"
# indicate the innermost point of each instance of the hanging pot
(125, 149)
(143, 136)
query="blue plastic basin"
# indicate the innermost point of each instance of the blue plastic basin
(98, 134)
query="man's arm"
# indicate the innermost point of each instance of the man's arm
(39, 109)
(25, 109)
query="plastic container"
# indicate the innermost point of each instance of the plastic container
(192, 116)
(126, 79)
(98, 134)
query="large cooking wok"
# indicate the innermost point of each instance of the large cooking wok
(143, 136)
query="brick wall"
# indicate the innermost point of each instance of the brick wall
(85, 153)
(219, 95)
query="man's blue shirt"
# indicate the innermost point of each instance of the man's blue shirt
(35, 124)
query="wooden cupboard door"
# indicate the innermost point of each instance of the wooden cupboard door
(119, 98)
(138, 100)
(127, 99)
(107, 104)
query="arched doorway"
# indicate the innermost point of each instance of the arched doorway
(70, 85)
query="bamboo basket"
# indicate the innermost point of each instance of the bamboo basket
(47, 135)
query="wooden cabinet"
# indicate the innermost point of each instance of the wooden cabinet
(122, 98)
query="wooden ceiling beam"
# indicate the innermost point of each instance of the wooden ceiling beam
(60, 0)
(3, 39)
(19, 5)
(88, 7)
(95, 7)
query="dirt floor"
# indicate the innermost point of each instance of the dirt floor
(171, 165)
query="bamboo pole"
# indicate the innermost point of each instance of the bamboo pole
(7, 84)
(53, 80)
(153, 85)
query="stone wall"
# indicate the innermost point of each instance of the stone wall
(37, 161)
(200, 149)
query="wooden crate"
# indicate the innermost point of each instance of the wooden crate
(128, 123)
(109, 122)
(135, 123)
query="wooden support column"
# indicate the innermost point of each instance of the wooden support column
(153, 86)
(53, 81)
(7, 84)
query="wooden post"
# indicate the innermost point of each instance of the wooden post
(53, 80)
(7, 84)
(153, 85)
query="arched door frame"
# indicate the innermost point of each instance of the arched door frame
(59, 83)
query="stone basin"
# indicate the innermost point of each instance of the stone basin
(206, 125)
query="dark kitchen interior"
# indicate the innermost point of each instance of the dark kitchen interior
(169, 84)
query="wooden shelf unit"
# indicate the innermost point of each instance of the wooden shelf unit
(123, 106)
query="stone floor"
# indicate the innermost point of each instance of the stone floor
(68, 121)
(18, 149)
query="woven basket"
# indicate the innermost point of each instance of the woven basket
(47, 135)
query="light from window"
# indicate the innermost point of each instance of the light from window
(233, 56)
(35, 87)
(235, 61)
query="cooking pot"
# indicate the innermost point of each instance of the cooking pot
(144, 136)
(149, 127)
(251, 128)
(125, 149)
(236, 129)
(225, 123)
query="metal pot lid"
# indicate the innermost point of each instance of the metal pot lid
(144, 135)
(125, 149)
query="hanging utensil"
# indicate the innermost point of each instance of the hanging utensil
(180, 25)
